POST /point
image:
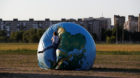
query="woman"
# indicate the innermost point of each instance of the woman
(55, 42)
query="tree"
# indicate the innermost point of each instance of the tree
(110, 39)
(40, 33)
(135, 36)
(32, 35)
(94, 36)
(25, 36)
(16, 36)
(3, 36)
(103, 34)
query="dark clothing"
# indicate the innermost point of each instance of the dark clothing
(51, 46)
(54, 46)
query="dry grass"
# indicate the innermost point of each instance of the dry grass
(118, 61)
(118, 47)
(99, 47)
(105, 66)
(15, 46)
(13, 60)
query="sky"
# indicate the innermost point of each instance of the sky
(57, 9)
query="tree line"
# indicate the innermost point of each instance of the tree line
(109, 36)
(119, 35)
(28, 36)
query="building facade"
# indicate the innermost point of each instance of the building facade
(93, 25)
(139, 23)
(119, 25)
(119, 21)
(132, 24)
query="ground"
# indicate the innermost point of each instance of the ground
(22, 63)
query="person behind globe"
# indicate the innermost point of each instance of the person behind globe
(55, 42)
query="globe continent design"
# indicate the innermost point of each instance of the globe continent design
(76, 49)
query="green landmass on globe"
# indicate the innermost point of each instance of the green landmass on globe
(68, 43)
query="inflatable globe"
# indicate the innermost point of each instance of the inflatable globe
(76, 49)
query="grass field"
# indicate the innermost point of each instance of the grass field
(99, 47)
(20, 60)
(18, 46)
(118, 47)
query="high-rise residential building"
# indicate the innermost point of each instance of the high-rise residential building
(132, 24)
(14, 25)
(139, 23)
(93, 25)
(0, 24)
(119, 21)
(105, 22)
(119, 25)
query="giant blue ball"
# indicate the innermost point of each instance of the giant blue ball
(76, 50)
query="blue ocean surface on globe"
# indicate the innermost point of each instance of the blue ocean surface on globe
(76, 50)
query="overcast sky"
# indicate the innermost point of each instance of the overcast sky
(57, 9)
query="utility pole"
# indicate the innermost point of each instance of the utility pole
(122, 35)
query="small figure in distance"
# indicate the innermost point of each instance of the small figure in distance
(55, 42)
